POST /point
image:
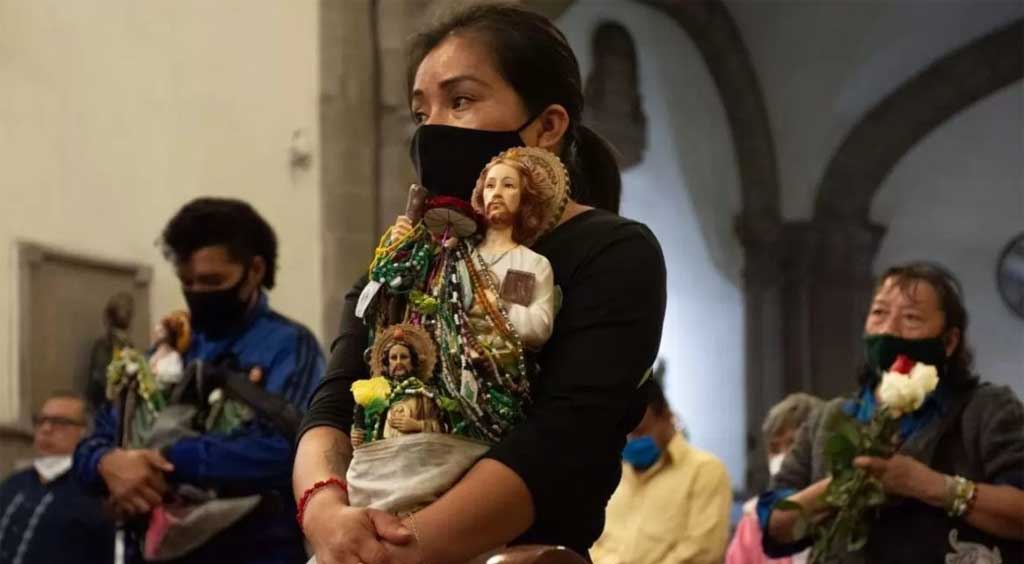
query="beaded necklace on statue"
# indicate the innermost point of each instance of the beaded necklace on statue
(492, 263)
(403, 265)
(490, 393)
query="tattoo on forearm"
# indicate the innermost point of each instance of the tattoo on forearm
(338, 455)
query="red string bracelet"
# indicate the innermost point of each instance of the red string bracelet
(312, 490)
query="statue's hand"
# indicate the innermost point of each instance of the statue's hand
(402, 227)
(404, 423)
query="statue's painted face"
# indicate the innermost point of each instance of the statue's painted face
(399, 362)
(502, 194)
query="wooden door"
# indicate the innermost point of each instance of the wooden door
(62, 298)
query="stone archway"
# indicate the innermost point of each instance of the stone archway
(897, 123)
(759, 226)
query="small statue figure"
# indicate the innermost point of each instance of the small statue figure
(171, 339)
(459, 289)
(405, 356)
(117, 320)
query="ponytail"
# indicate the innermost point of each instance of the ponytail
(593, 169)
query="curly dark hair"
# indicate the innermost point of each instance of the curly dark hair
(960, 366)
(206, 222)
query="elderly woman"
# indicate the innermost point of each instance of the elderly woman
(779, 432)
(956, 482)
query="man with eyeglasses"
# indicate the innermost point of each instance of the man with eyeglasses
(45, 515)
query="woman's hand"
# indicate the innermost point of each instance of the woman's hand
(904, 476)
(341, 534)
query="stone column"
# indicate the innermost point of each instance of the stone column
(807, 286)
(841, 283)
(764, 316)
(348, 140)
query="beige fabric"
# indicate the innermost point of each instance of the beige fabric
(409, 472)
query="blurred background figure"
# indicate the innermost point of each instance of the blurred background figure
(45, 514)
(117, 318)
(672, 505)
(779, 431)
(247, 366)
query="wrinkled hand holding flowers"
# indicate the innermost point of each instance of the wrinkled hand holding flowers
(857, 487)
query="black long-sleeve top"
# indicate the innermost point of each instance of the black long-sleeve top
(587, 397)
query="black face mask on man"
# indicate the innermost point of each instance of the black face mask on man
(881, 351)
(449, 159)
(216, 313)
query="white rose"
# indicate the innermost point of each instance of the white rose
(925, 376)
(904, 393)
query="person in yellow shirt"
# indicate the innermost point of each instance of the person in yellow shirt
(672, 504)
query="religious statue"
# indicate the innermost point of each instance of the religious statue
(518, 197)
(171, 339)
(117, 321)
(405, 356)
(457, 303)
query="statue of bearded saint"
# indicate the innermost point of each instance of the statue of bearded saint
(416, 413)
(517, 198)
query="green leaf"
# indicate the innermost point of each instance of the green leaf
(448, 404)
(839, 452)
(837, 494)
(848, 428)
(374, 409)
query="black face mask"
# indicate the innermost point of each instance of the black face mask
(449, 160)
(881, 351)
(216, 313)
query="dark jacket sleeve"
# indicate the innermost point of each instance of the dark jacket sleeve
(586, 400)
(995, 421)
(89, 452)
(332, 403)
(797, 473)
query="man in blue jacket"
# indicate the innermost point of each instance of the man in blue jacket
(225, 256)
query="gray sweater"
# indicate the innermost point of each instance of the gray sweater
(980, 435)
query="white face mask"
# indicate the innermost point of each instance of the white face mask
(52, 467)
(775, 463)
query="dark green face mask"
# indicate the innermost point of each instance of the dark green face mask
(882, 350)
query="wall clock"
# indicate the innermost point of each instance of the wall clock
(1010, 274)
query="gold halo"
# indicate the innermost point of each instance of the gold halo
(414, 337)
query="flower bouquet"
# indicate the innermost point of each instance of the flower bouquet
(853, 494)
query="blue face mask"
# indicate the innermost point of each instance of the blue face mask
(641, 453)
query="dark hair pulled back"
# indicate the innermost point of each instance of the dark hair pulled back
(537, 61)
